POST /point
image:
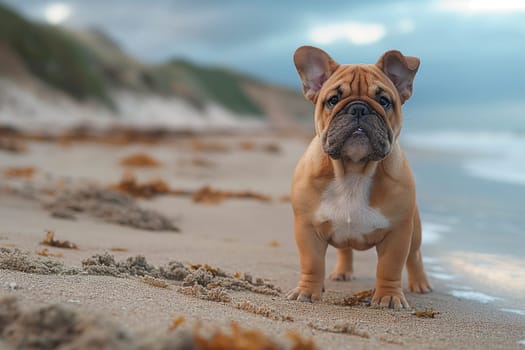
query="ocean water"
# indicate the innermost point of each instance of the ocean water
(469, 166)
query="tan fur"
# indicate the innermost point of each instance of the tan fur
(376, 198)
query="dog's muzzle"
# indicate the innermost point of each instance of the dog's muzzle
(358, 133)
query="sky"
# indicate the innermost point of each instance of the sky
(472, 51)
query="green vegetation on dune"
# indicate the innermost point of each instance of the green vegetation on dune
(54, 57)
(90, 66)
(206, 84)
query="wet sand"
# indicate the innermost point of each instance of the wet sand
(243, 236)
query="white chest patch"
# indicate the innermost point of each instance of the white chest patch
(345, 203)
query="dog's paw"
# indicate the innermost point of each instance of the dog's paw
(389, 300)
(340, 276)
(419, 286)
(304, 294)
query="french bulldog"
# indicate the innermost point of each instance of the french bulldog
(353, 188)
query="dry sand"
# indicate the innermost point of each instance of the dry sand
(241, 237)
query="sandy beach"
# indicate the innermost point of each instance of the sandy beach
(247, 239)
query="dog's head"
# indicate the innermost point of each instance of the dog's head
(357, 106)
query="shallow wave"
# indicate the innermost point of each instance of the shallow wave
(496, 156)
(477, 143)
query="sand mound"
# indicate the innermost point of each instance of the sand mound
(110, 206)
(14, 259)
(105, 264)
(194, 275)
(62, 328)
(59, 327)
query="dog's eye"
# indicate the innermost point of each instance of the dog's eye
(332, 101)
(385, 102)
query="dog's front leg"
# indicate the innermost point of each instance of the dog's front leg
(392, 254)
(312, 250)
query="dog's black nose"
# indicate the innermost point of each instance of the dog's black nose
(358, 109)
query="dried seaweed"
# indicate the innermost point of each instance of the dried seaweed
(20, 172)
(46, 252)
(271, 148)
(209, 146)
(12, 145)
(239, 339)
(176, 323)
(49, 239)
(209, 195)
(247, 145)
(204, 195)
(198, 162)
(140, 160)
(299, 343)
(359, 298)
(129, 184)
(426, 313)
(155, 282)
(118, 249)
(274, 244)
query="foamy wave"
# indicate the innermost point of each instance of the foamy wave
(432, 232)
(472, 295)
(476, 143)
(497, 156)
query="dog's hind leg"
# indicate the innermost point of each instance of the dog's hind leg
(344, 266)
(417, 278)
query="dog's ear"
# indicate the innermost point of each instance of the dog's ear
(401, 70)
(314, 67)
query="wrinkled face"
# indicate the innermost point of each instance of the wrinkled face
(357, 106)
(358, 114)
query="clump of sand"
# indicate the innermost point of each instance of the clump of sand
(201, 275)
(105, 264)
(341, 327)
(214, 294)
(15, 259)
(59, 327)
(110, 206)
(210, 277)
(264, 311)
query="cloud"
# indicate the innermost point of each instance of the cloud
(58, 12)
(482, 6)
(358, 33)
